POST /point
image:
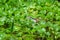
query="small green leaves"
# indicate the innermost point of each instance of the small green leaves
(29, 20)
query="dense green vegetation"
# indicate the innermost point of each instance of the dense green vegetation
(29, 20)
